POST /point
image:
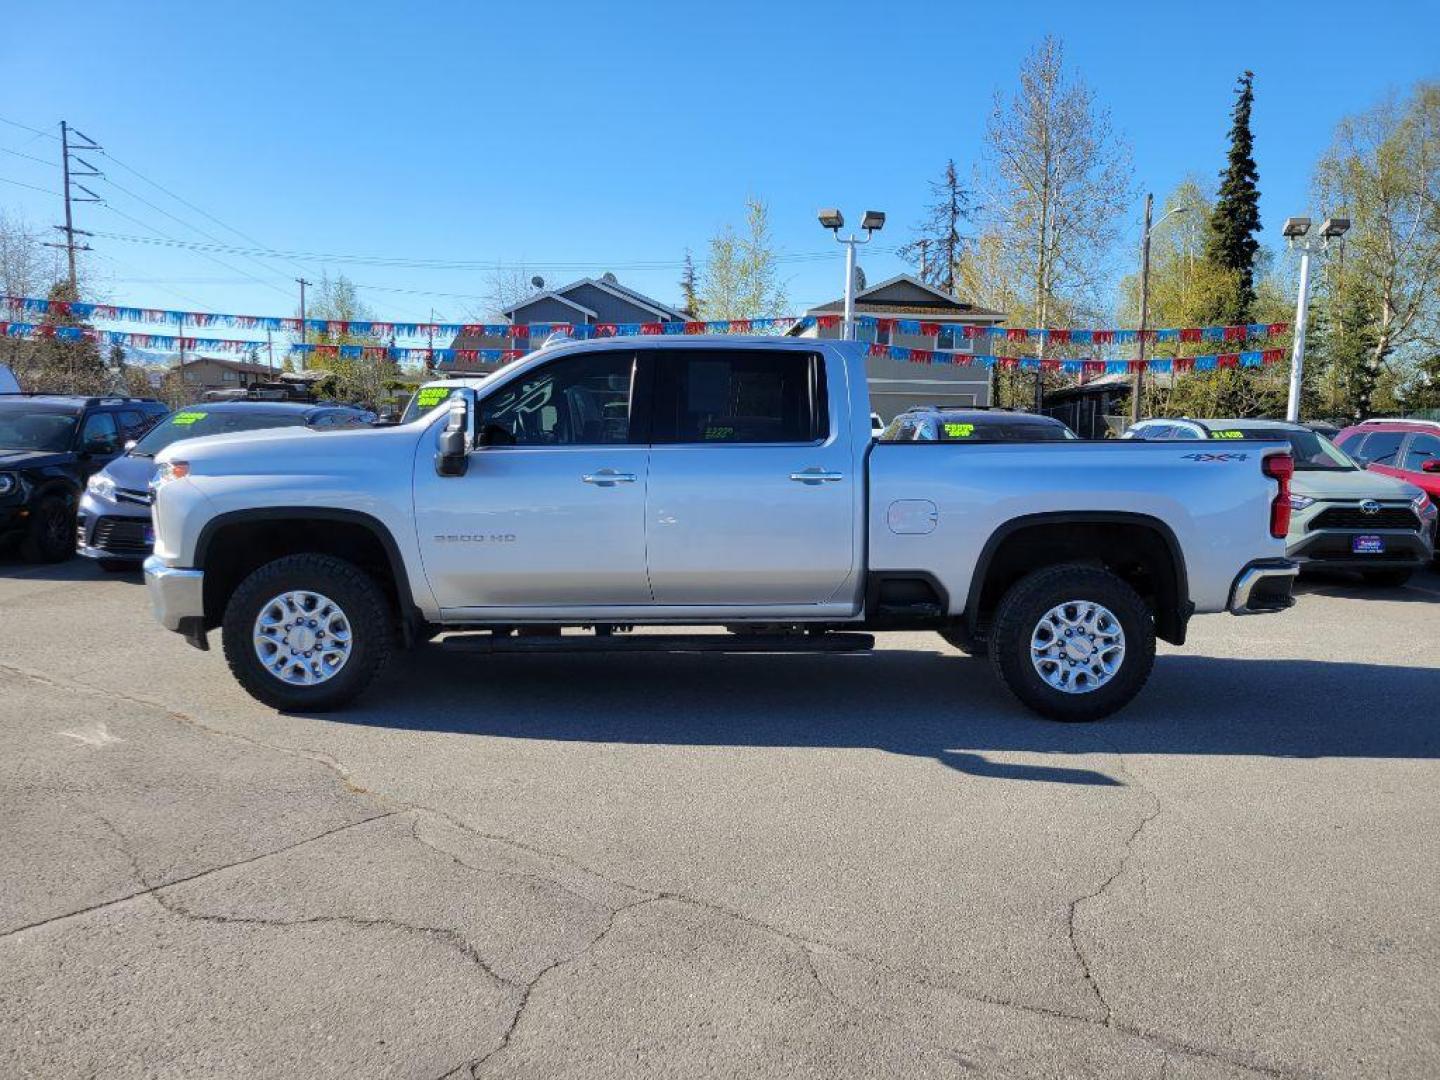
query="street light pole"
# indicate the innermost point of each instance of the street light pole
(872, 222)
(1297, 350)
(302, 283)
(1298, 236)
(1138, 383)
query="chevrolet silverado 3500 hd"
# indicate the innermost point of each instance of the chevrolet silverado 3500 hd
(713, 482)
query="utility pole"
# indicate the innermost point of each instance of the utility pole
(302, 283)
(68, 184)
(1138, 383)
(270, 349)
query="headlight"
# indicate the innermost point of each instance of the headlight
(167, 471)
(101, 486)
(1300, 502)
(8, 482)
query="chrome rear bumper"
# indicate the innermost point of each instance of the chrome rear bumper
(1264, 587)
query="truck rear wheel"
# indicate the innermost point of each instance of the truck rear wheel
(307, 633)
(1073, 642)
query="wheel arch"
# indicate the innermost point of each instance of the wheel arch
(235, 543)
(1153, 561)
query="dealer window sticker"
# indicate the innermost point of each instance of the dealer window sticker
(185, 419)
(430, 396)
(1230, 434)
(959, 431)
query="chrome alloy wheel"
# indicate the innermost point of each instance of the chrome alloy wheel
(1077, 646)
(302, 638)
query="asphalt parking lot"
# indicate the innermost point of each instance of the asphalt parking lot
(739, 866)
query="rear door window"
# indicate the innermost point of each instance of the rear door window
(100, 434)
(740, 396)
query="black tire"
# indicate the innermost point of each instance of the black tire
(963, 642)
(50, 535)
(118, 566)
(366, 609)
(1020, 612)
(1386, 579)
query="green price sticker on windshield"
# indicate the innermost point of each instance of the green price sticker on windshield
(430, 396)
(1227, 434)
(185, 419)
(959, 431)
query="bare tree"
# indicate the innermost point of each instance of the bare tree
(1057, 181)
(938, 240)
(1383, 172)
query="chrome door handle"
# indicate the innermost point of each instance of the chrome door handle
(608, 478)
(816, 476)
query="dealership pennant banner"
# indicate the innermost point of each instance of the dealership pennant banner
(28, 308)
(1082, 365)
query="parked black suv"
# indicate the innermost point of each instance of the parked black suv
(50, 444)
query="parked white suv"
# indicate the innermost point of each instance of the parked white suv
(719, 482)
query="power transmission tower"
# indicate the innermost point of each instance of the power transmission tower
(70, 172)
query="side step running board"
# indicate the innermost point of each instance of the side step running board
(644, 643)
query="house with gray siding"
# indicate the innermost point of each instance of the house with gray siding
(587, 301)
(896, 385)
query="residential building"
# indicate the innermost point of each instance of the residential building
(895, 385)
(588, 301)
(208, 373)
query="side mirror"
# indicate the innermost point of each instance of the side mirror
(452, 457)
(129, 445)
(1432, 465)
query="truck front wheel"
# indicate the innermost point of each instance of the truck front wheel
(307, 633)
(1073, 642)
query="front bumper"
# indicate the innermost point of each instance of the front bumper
(1264, 587)
(177, 597)
(113, 530)
(1404, 549)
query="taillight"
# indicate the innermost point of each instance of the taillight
(1280, 467)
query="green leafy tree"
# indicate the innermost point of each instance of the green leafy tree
(741, 279)
(1056, 181)
(1382, 170)
(363, 380)
(1235, 220)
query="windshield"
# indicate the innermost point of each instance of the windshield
(425, 399)
(26, 426)
(1311, 450)
(193, 423)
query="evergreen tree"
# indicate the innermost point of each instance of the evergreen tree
(938, 241)
(58, 365)
(689, 288)
(1236, 217)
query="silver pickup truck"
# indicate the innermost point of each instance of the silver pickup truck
(724, 483)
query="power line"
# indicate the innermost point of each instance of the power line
(27, 127)
(180, 243)
(27, 157)
(416, 263)
(32, 187)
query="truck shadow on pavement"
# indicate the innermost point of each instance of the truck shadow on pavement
(913, 702)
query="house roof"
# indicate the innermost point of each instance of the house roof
(243, 366)
(549, 294)
(613, 288)
(929, 303)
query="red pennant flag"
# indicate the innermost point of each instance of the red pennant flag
(930, 329)
(828, 322)
(1060, 337)
(1190, 333)
(740, 326)
(1234, 333)
(1102, 337)
(1272, 356)
(1016, 333)
(919, 356)
(1227, 360)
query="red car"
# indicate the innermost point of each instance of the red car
(1407, 449)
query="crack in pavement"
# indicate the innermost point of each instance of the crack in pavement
(647, 896)
(147, 888)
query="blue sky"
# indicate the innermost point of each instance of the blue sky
(619, 134)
